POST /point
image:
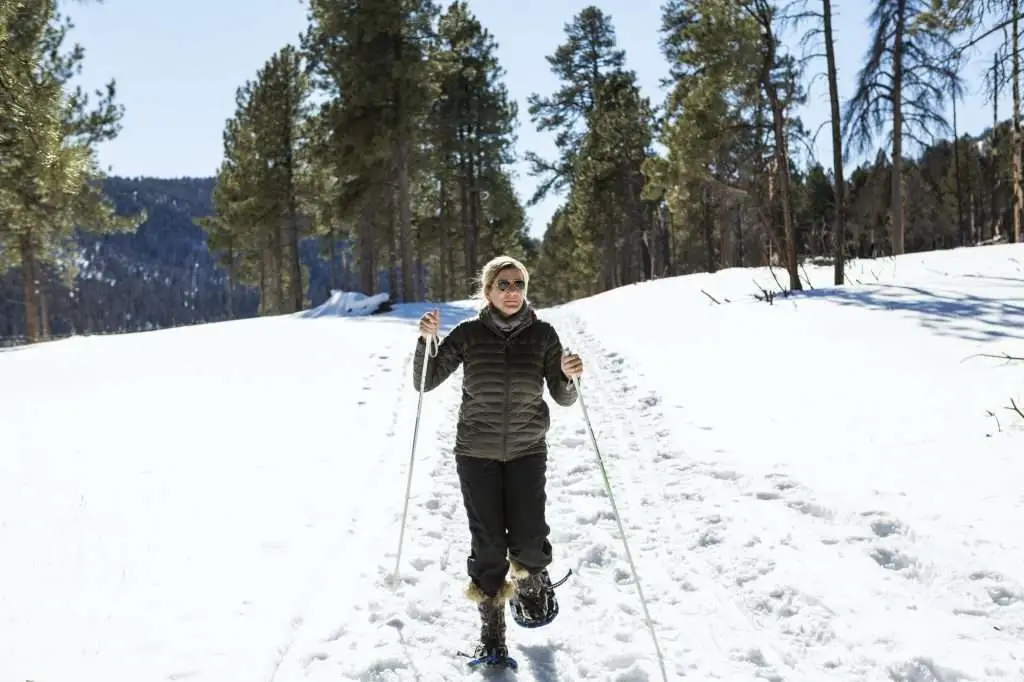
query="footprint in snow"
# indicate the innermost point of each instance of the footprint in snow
(650, 401)
(710, 537)
(310, 659)
(597, 556)
(381, 666)
(593, 518)
(924, 670)
(811, 509)
(724, 475)
(1004, 596)
(422, 612)
(892, 560)
(577, 471)
(883, 528)
(782, 482)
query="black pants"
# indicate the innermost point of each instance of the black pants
(505, 505)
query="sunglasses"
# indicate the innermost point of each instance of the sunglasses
(515, 285)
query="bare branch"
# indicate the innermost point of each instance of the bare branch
(717, 302)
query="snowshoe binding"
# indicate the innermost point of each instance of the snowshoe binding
(534, 604)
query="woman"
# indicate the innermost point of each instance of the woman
(508, 355)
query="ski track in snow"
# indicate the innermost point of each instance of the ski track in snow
(372, 388)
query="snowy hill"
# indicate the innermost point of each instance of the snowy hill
(828, 487)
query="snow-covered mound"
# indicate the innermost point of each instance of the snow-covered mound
(824, 487)
(347, 304)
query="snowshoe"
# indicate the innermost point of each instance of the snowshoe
(496, 657)
(534, 603)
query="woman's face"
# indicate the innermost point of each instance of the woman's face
(506, 294)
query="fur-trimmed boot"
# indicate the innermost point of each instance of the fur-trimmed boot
(533, 604)
(492, 645)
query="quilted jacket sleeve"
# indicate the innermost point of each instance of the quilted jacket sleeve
(563, 391)
(449, 356)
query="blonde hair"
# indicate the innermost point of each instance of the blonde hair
(489, 273)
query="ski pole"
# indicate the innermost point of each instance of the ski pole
(622, 530)
(431, 343)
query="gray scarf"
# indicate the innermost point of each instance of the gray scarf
(509, 323)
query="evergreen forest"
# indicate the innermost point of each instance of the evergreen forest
(378, 153)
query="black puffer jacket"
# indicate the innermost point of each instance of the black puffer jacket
(503, 413)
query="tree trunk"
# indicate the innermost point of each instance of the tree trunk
(277, 252)
(28, 287)
(993, 184)
(609, 252)
(473, 238)
(393, 246)
(442, 228)
(708, 228)
(44, 309)
(404, 215)
(839, 226)
(332, 254)
(781, 163)
(1018, 192)
(262, 309)
(297, 287)
(365, 240)
(896, 210)
(231, 280)
(961, 224)
(972, 200)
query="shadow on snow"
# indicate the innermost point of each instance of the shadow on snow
(966, 316)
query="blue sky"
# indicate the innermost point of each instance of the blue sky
(177, 65)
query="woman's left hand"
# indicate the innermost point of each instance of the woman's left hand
(572, 365)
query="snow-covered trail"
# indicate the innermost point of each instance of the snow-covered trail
(751, 572)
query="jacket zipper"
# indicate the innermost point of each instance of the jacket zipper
(504, 412)
(508, 376)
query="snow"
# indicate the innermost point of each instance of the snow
(827, 487)
(344, 303)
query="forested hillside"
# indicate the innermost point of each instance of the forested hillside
(378, 154)
(158, 276)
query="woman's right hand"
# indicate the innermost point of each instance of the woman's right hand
(429, 324)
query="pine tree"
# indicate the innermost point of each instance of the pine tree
(472, 122)
(904, 80)
(48, 135)
(371, 59)
(258, 225)
(582, 63)
(603, 131)
(608, 217)
(712, 128)
(727, 131)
